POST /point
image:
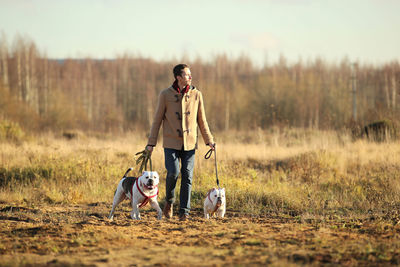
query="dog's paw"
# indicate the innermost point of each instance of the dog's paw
(135, 217)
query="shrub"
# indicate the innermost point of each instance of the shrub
(380, 131)
(10, 131)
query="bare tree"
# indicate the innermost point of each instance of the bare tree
(4, 60)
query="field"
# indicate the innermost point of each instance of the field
(294, 197)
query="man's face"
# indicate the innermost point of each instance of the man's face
(185, 78)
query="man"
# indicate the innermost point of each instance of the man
(180, 109)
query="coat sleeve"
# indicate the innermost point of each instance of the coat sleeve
(202, 122)
(158, 118)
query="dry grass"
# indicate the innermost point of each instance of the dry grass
(295, 172)
(292, 197)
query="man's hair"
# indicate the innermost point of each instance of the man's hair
(178, 69)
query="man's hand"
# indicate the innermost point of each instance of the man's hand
(149, 148)
(212, 146)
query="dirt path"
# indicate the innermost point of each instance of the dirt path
(82, 236)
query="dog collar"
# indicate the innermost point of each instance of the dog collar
(216, 205)
(208, 195)
(146, 198)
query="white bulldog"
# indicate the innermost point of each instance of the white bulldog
(215, 203)
(140, 191)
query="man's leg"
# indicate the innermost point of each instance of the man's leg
(172, 166)
(187, 159)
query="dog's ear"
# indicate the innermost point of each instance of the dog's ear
(223, 189)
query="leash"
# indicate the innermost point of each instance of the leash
(208, 155)
(144, 158)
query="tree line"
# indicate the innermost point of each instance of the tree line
(120, 94)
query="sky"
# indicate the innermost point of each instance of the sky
(366, 31)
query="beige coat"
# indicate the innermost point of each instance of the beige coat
(180, 118)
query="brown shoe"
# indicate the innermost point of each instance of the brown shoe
(183, 217)
(167, 210)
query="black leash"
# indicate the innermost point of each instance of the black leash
(208, 155)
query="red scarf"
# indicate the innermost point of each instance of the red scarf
(176, 87)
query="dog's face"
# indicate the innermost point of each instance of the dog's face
(149, 180)
(219, 195)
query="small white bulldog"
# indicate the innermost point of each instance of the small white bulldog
(140, 191)
(215, 203)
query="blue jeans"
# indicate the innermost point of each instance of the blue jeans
(172, 157)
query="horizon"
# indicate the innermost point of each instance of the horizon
(289, 64)
(302, 30)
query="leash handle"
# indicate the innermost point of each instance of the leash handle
(208, 155)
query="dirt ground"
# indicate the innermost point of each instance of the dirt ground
(81, 235)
